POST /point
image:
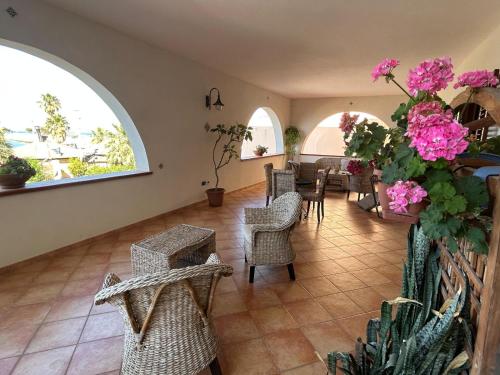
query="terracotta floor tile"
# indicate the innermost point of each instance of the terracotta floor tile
(71, 307)
(388, 291)
(40, 293)
(228, 303)
(355, 326)
(14, 340)
(316, 368)
(339, 305)
(372, 260)
(102, 326)
(346, 281)
(260, 298)
(351, 264)
(391, 272)
(335, 253)
(53, 362)
(371, 277)
(328, 337)
(16, 316)
(273, 319)
(319, 286)
(289, 291)
(328, 267)
(247, 357)
(70, 261)
(89, 272)
(7, 364)
(96, 357)
(236, 327)
(290, 349)
(307, 312)
(8, 297)
(367, 298)
(52, 275)
(56, 334)
(81, 287)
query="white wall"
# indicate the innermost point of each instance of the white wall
(307, 113)
(164, 95)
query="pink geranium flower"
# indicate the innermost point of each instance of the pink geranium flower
(404, 193)
(430, 76)
(477, 79)
(384, 68)
(347, 122)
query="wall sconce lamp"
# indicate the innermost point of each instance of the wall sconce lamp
(218, 103)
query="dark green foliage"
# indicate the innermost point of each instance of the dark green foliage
(17, 166)
(422, 339)
(292, 139)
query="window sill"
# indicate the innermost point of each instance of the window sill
(260, 157)
(57, 184)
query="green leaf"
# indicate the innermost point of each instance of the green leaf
(474, 190)
(416, 167)
(478, 239)
(442, 191)
(455, 205)
(440, 164)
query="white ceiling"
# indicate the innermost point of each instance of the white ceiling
(301, 48)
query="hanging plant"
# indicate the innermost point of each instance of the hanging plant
(292, 139)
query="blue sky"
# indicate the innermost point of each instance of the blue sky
(25, 78)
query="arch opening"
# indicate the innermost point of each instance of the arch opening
(327, 138)
(62, 120)
(266, 132)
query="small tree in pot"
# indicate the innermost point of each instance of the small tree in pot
(292, 139)
(227, 139)
(15, 172)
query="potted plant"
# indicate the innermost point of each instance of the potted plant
(223, 152)
(260, 150)
(15, 172)
(292, 139)
(433, 140)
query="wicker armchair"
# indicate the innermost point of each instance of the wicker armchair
(268, 169)
(295, 167)
(318, 194)
(167, 318)
(360, 184)
(283, 181)
(267, 233)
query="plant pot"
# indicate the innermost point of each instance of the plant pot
(12, 181)
(411, 217)
(215, 197)
(258, 153)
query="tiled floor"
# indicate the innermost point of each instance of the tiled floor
(345, 267)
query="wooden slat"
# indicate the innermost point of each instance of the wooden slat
(481, 123)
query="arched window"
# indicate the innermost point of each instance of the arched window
(327, 138)
(62, 120)
(266, 132)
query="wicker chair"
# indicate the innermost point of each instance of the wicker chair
(360, 184)
(268, 169)
(295, 167)
(283, 181)
(168, 328)
(267, 233)
(318, 194)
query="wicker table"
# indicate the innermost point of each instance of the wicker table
(180, 246)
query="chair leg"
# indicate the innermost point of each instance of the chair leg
(291, 271)
(359, 196)
(308, 207)
(267, 200)
(319, 211)
(252, 274)
(215, 367)
(314, 205)
(323, 209)
(348, 193)
(246, 261)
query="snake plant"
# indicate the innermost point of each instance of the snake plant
(423, 338)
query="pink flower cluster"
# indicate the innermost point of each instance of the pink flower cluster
(477, 79)
(384, 68)
(434, 132)
(347, 122)
(430, 76)
(404, 193)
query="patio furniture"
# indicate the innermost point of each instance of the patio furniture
(283, 181)
(168, 327)
(360, 184)
(337, 179)
(295, 167)
(267, 233)
(175, 248)
(268, 170)
(318, 194)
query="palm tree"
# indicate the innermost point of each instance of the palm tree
(56, 125)
(119, 151)
(5, 148)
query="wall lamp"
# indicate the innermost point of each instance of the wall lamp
(217, 104)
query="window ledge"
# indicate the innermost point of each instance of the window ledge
(57, 184)
(260, 157)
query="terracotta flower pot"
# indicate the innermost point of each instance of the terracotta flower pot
(411, 217)
(215, 197)
(257, 153)
(12, 181)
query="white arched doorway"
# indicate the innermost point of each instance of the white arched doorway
(327, 138)
(266, 131)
